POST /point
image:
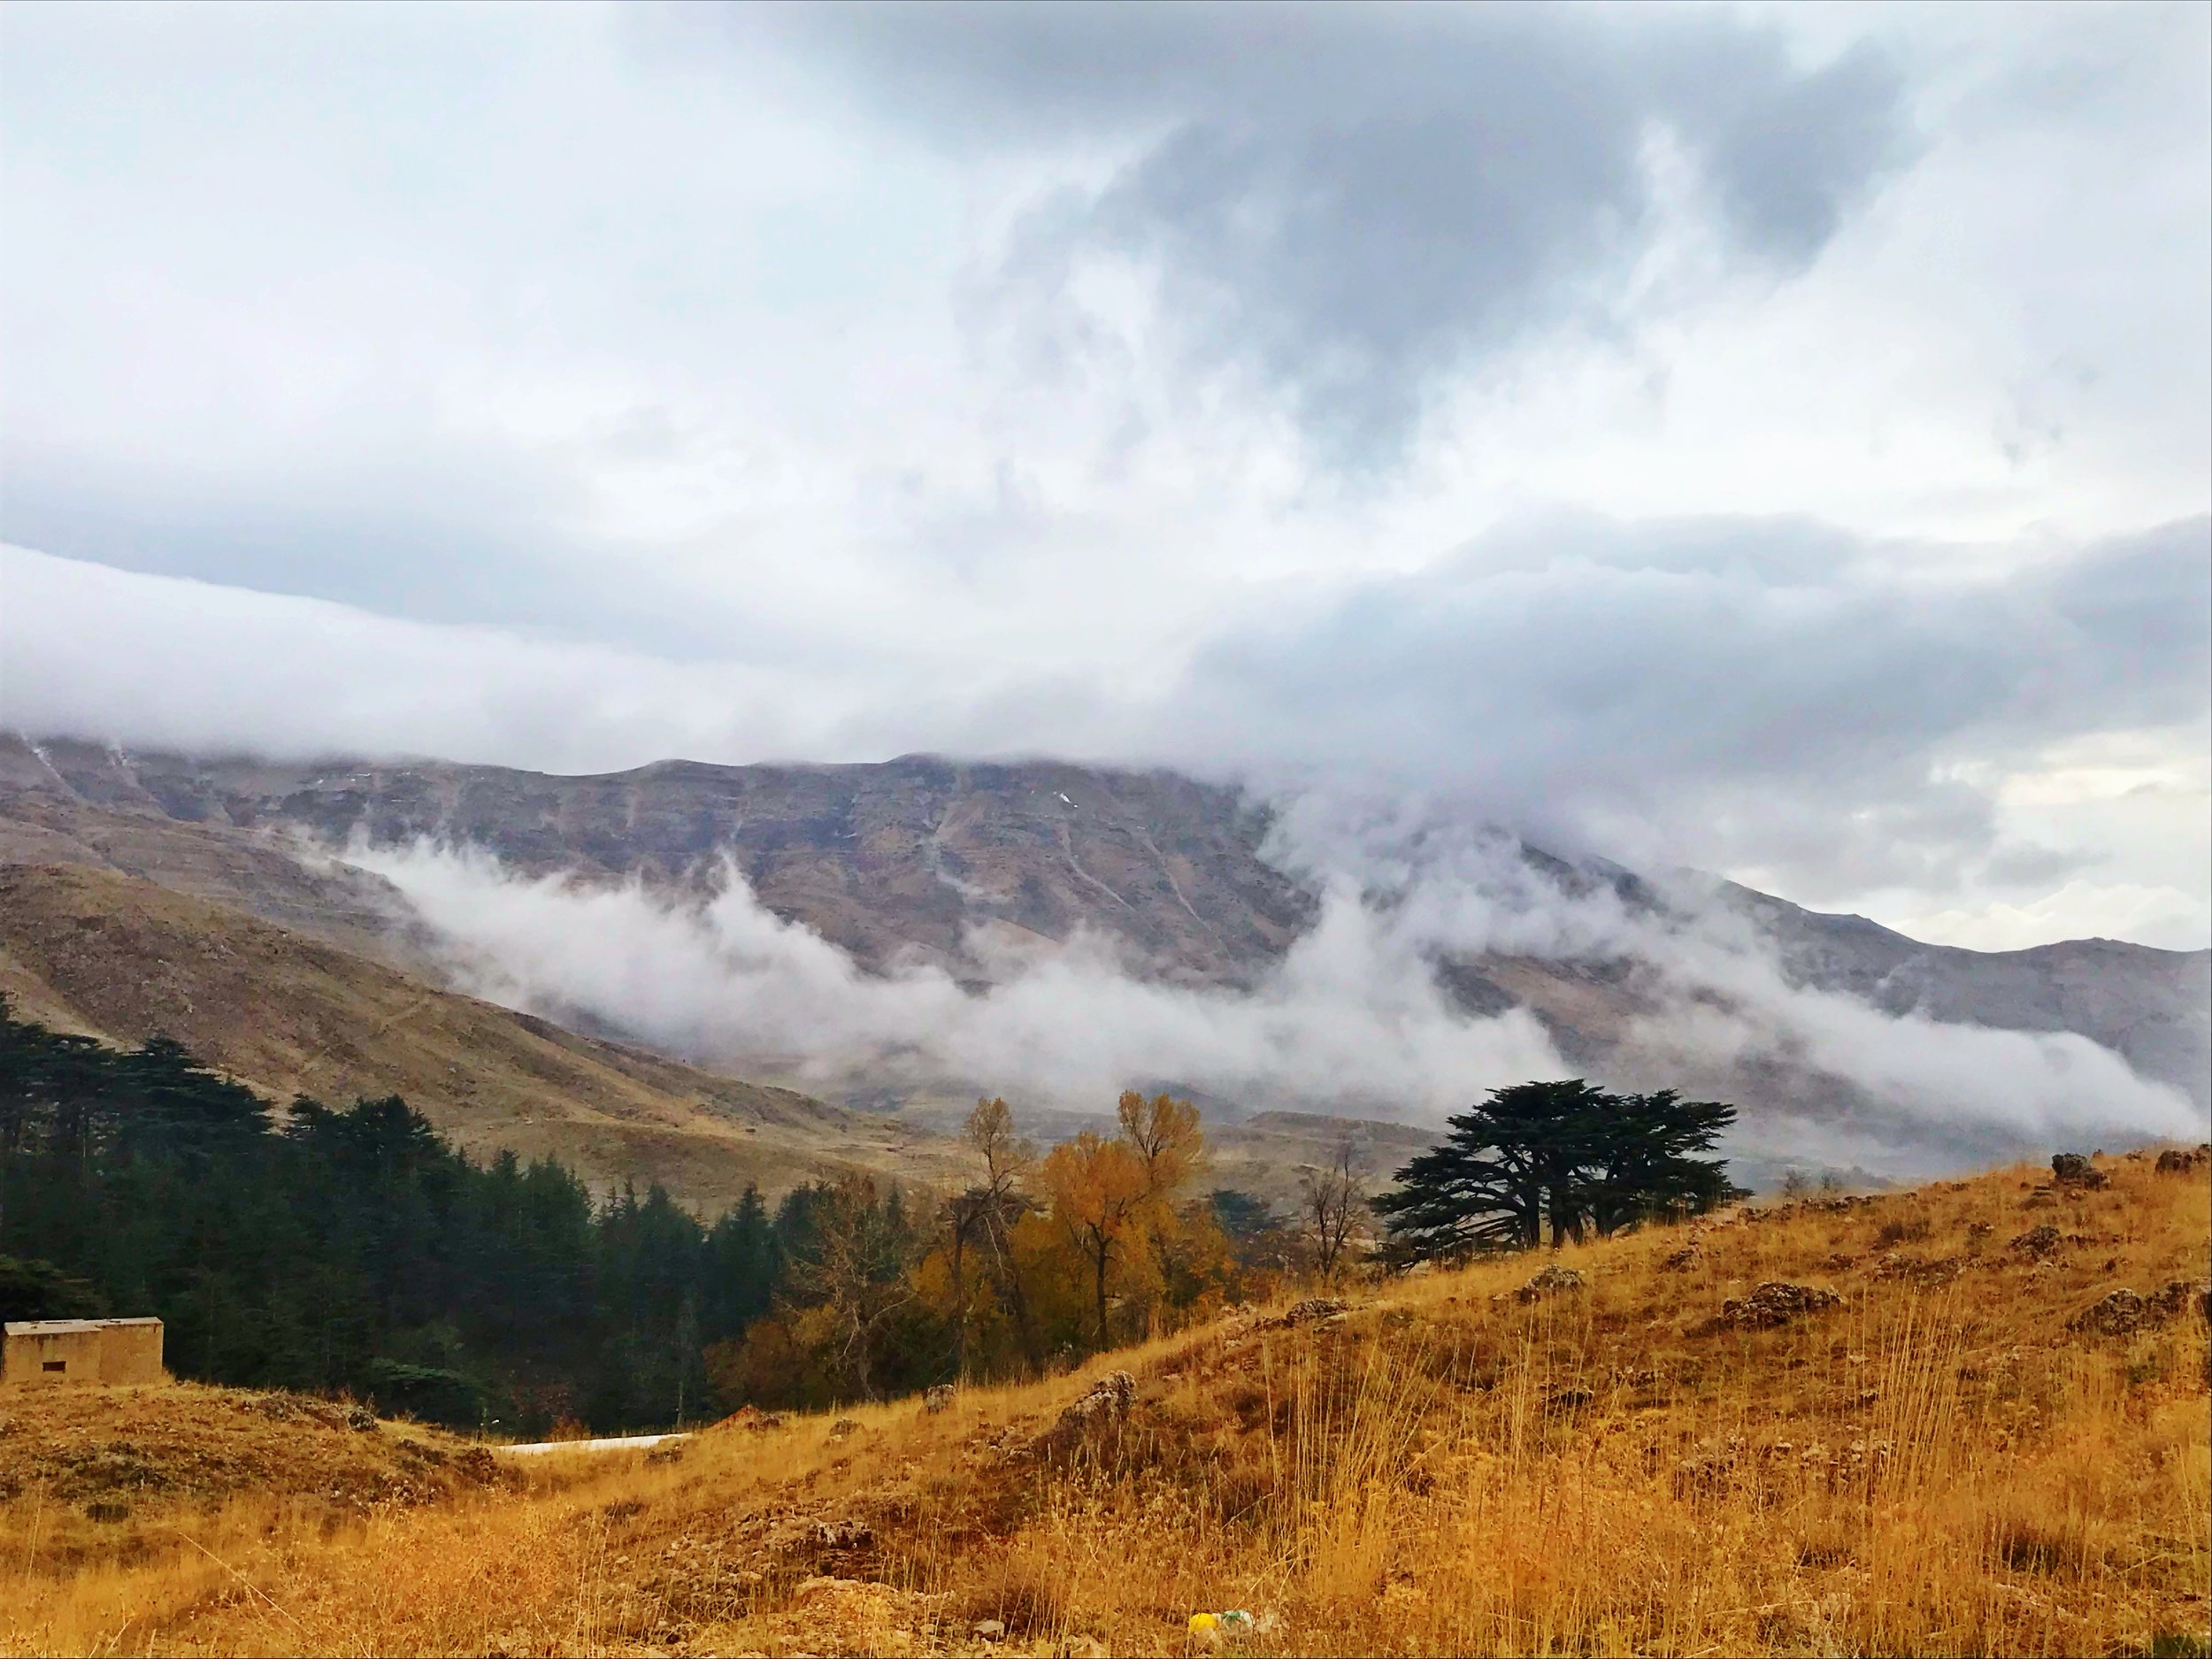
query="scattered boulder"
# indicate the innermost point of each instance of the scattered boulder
(1776, 1302)
(1553, 1281)
(1105, 1401)
(2120, 1313)
(938, 1399)
(2175, 1161)
(844, 1532)
(1918, 1270)
(2072, 1169)
(2037, 1243)
(1312, 1310)
(2176, 1296)
(752, 1420)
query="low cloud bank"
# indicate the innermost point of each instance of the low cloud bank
(1351, 1015)
(1352, 1019)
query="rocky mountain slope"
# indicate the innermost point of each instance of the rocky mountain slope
(917, 859)
(97, 952)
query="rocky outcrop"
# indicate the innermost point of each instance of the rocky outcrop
(1311, 1310)
(2123, 1312)
(1102, 1406)
(1776, 1302)
(1553, 1281)
(2072, 1169)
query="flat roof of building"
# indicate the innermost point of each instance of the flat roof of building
(69, 1327)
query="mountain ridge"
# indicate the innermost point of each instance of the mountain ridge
(915, 860)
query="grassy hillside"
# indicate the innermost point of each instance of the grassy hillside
(1980, 1446)
(97, 952)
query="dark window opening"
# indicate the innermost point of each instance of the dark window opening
(56, 1365)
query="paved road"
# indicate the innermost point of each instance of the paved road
(613, 1443)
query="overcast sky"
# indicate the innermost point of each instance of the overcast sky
(1770, 439)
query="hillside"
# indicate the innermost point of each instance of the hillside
(119, 958)
(1981, 1428)
(911, 859)
(88, 1472)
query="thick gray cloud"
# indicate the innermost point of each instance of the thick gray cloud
(828, 383)
(1777, 697)
(1353, 204)
(1763, 692)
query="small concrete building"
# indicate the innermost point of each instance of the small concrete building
(82, 1350)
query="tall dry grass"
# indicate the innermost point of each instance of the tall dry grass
(1941, 1466)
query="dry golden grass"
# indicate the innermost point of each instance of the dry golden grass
(1940, 1464)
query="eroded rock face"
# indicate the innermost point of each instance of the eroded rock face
(911, 859)
(1776, 1302)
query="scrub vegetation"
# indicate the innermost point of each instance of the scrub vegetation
(1968, 1419)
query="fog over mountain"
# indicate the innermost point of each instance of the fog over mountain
(908, 935)
(1446, 491)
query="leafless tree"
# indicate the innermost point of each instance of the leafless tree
(1332, 1206)
(855, 1280)
(984, 1215)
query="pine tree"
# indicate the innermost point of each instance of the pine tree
(1566, 1154)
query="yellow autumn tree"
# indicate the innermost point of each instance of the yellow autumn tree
(1166, 1137)
(1100, 1191)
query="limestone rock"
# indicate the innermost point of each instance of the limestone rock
(1776, 1302)
(1104, 1401)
